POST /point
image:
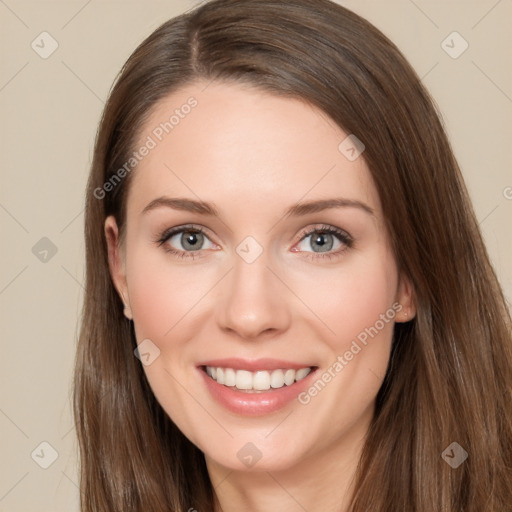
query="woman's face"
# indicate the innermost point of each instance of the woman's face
(291, 273)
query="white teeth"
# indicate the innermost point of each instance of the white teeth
(229, 377)
(243, 379)
(289, 377)
(303, 372)
(277, 379)
(259, 381)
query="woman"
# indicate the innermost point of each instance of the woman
(289, 305)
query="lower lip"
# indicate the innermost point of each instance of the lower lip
(256, 403)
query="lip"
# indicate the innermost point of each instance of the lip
(254, 364)
(259, 403)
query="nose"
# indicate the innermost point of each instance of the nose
(253, 301)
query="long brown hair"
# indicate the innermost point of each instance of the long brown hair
(450, 373)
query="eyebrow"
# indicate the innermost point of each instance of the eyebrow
(299, 209)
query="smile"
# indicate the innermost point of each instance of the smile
(254, 381)
(255, 387)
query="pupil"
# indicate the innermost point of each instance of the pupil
(324, 244)
(191, 240)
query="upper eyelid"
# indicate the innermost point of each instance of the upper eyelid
(325, 227)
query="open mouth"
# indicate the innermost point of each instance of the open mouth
(256, 381)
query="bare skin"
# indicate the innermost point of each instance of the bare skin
(254, 155)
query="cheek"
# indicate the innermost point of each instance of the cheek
(162, 299)
(151, 301)
(351, 300)
(161, 294)
(357, 307)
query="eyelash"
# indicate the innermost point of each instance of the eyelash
(341, 235)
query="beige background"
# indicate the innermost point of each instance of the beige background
(50, 109)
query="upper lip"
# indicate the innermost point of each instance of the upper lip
(254, 364)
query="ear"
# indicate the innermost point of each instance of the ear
(116, 263)
(405, 297)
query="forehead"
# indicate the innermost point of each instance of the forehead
(238, 146)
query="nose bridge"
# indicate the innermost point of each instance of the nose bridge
(253, 301)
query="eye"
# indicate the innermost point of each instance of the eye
(184, 241)
(320, 242)
(324, 241)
